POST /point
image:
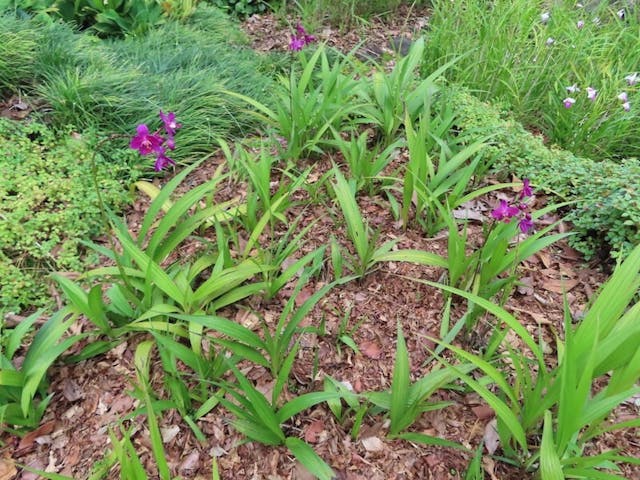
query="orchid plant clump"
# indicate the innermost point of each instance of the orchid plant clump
(147, 143)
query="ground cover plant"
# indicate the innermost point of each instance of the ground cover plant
(355, 289)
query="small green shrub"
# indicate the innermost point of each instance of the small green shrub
(242, 8)
(108, 18)
(606, 215)
(48, 204)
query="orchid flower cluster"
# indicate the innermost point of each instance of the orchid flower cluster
(592, 93)
(147, 143)
(505, 212)
(300, 39)
(631, 79)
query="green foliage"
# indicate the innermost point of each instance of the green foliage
(109, 18)
(606, 200)
(18, 44)
(489, 270)
(311, 104)
(116, 84)
(344, 13)
(242, 8)
(49, 206)
(562, 398)
(512, 62)
(21, 383)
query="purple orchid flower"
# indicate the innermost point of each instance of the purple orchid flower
(144, 141)
(526, 223)
(170, 124)
(504, 211)
(526, 191)
(568, 102)
(162, 160)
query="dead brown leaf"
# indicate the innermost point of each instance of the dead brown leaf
(313, 431)
(7, 469)
(28, 441)
(559, 285)
(371, 349)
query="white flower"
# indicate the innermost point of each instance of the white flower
(550, 41)
(626, 106)
(573, 88)
(568, 102)
(544, 18)
(632, 79)
(580, 24)
(592, 93)
(623, 97)
(620, 14)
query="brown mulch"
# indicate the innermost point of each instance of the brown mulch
(91, 397)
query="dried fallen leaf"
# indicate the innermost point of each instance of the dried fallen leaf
(526, 286)
(370, 349)
(313, 430)
(169, 433)
(559, 285)
(71, 390)
(491, 438)
(28, 441)
(483, 412)
(190, 464)
(7, 469)
(372, 444)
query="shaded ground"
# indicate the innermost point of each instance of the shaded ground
(91, 397)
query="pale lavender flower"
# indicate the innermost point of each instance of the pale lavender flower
(592, 93)
(568, 102)
(580, 24)
(620, 14)
(632, 79)
(550, 41)
(544, 18)
(626, 106)
(623, 97)
(573, 88)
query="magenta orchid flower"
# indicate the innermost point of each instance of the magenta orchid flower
(169, 122)
(147, 143)
(300, 39)
(144, 141)
(296, 43)
(526, 223)
(592, 93)
(504, 211)
(568, 102)
(526, 191)
(162, 160)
